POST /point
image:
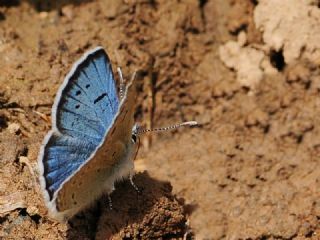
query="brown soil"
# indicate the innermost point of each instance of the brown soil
(250, 171)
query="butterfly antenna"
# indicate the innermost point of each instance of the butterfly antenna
(140, 131)
(122, 83)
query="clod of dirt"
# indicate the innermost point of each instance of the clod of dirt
(155, 213)
(113, 8)
(291, 25)
(14, 128)
(249, 63)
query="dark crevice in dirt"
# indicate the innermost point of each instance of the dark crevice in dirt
(9, 105)
(22, 152)
(3, 122)
(192, 30)
(9, 3)
(23, 212)
(254, 2)
(307, 85)
(262, 179)
(35, 218)
(3, 219)
(272, 237)
(2, 16)
(47, 5)
(202, 4)
(277, 60)
(173, 236)
(266, 129)
(232, 178)
(153, 3)
(309, 234)
(242, 27)
(299, 139)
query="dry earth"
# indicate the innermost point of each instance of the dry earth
(248, 71)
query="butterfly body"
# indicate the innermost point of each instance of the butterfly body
(90, 145)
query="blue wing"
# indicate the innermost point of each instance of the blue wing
(82, 113)
(61, 158)
(88, 102)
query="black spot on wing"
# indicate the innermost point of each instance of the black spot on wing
(99, 98)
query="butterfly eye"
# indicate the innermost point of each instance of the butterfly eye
(134, 138)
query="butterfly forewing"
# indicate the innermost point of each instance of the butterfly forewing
(88, 102)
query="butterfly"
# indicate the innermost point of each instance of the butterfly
(92, 140)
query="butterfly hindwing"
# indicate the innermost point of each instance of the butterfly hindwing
(62, 156)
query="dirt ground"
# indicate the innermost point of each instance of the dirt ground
(247, 71)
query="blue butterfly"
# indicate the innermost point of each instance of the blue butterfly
(93, 137)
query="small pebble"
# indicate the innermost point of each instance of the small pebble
(14, 128)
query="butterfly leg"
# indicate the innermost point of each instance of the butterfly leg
(122, 83)
(133, 184)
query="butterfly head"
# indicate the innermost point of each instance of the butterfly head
(137, 130)
(135, 135)
(135, 140)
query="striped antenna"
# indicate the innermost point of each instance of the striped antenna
(140, 131)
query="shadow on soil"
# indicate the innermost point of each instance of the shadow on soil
(153, 208)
